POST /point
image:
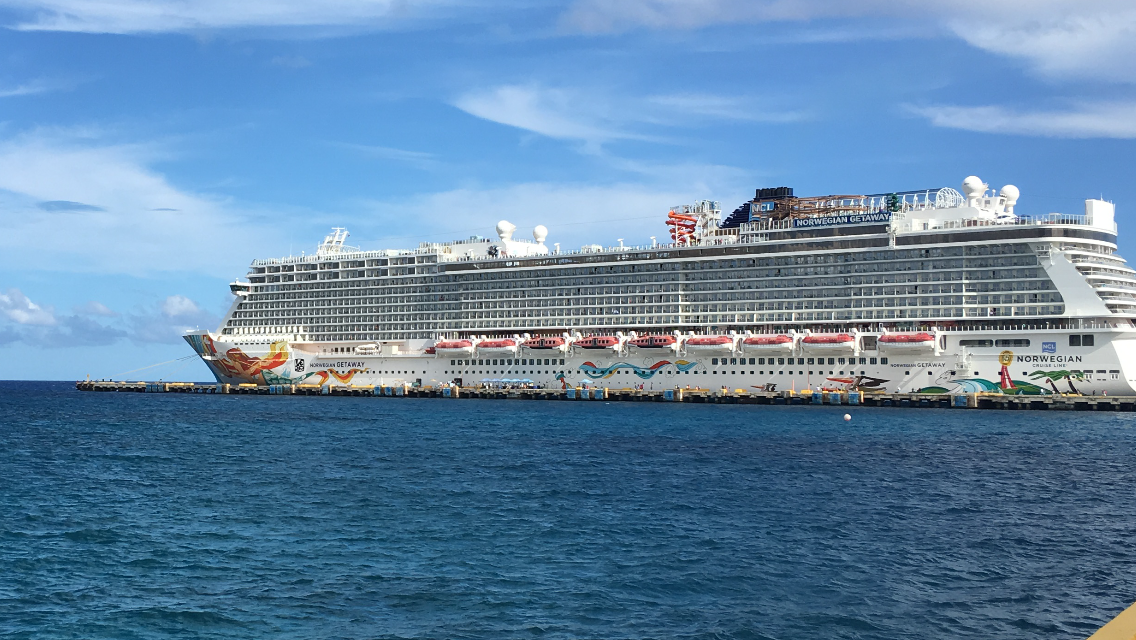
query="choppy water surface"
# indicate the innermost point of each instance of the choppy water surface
(154, 516)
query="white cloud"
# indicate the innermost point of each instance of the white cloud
(178, 306)
(595, 117)
(164, 322)
(19, 309)
(1067, 38)
(555, 113)
(108, 211)
(150, 16)
(1089, 120)
(95, 308)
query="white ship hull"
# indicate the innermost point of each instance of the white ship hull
(1047, 366)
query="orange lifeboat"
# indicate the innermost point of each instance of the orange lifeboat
(653, 342)
(507, 346)
(780, 342)
(710, 343)
(921, 341)
(598, 342)
(829, 342)
(454, 348)
(552, 342)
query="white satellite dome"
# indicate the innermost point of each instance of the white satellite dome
(540, 232)
(1010, 193)
(973, 187)
(505, 230)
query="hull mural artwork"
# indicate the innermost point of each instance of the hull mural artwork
(1006, 385)
(646, 373)
(236, 364)
(320, 377)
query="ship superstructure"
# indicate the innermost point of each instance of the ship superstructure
(906, 291)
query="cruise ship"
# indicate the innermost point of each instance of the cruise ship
(933, 291)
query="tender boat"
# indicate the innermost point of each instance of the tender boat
(780, 342)
(829, 342)
(654, 342)
(919, 342)
(456, 348)
(710, 344)
(547, 342)
(507, 346)
(597, 342)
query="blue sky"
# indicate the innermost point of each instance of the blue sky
(149, 151)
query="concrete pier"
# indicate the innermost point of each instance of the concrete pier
(584, 394)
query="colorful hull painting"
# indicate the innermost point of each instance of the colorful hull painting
(981, 385)
(645, 373)
(268, 369)
(321, 377)
(235, 363)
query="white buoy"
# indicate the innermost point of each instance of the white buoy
(847, 417)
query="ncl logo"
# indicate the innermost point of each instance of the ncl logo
(1049, 347)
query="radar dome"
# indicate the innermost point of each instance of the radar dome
(973, 187)
(1010, 193)
(505, 229)
(540, 232)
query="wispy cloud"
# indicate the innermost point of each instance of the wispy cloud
(151, 16)
(596, 117)
(555, 113)
(123, 216)
(30, 88)
(419, 159)
(67, 205)
(1055, 37)
(1086, 120)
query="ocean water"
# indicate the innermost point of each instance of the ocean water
(172, 516)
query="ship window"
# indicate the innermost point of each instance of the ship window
(1074, 341)
(800, 361)
(832, 361)
(547, 362)
(840, 360)
(714, 361)
(885, 361)
(562, 361)
(751, 361)
(761, 361)
(1018, 342)
(977, 343)
(1086, 341)
(810, 360)
(780, 360)
(733, 360)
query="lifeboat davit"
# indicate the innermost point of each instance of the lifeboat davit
(454, 348)
(779, 342)
(598, 342)
(920, 342)
(654, 342)
(508, 346)
(829, 342)
(710, 344)
(551, 342)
